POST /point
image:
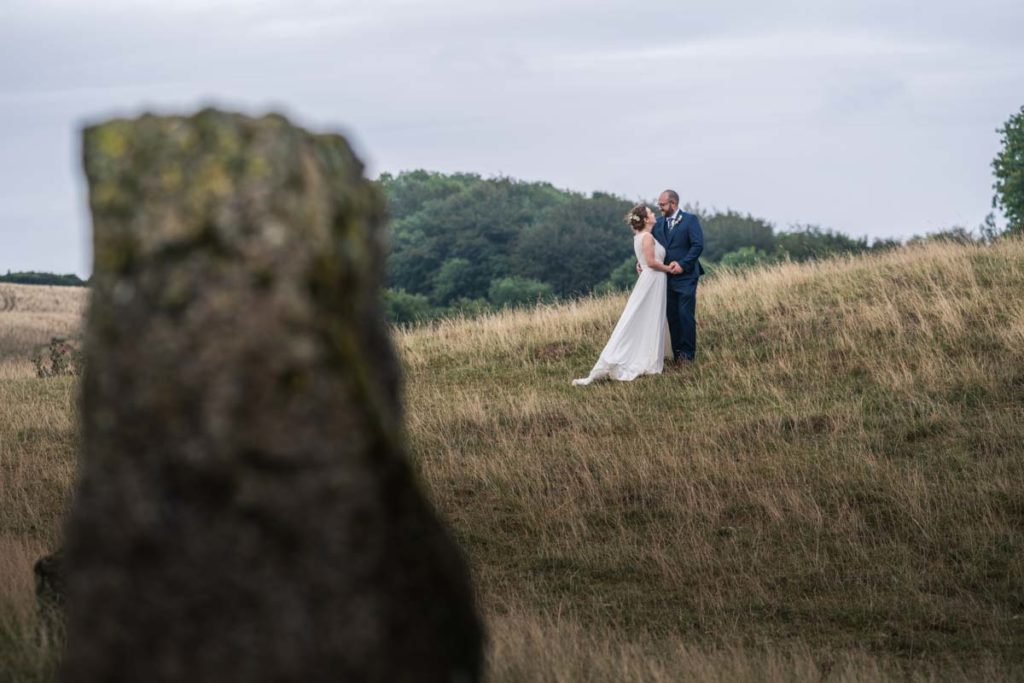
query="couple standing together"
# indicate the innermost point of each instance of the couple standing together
(659, 319)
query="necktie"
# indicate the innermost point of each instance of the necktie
(671, 223)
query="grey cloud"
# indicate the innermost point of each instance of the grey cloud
(870, 117)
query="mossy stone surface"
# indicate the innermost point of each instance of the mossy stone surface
(245, 509)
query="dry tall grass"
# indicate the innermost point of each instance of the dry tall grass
(551, 650)
(832, 492)
(841, 469)
(29, 316)
(37, 446)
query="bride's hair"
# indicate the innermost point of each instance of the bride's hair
(637, 216)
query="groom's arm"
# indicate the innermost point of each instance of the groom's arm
(689, 262)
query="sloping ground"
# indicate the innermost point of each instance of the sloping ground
(841, 471)
(832, 492)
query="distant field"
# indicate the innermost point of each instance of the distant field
(37, 446)
(29, 316)
(834, 491)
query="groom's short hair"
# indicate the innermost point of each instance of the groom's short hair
(673, 196)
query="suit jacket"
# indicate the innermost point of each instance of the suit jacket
(683, 244)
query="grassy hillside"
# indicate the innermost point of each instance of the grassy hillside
(833, 491)
(841, 471)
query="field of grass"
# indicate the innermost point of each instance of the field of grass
(834, 491)
(29, 316)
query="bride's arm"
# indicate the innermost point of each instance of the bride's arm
(648, 247)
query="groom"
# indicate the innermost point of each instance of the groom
(681, 235)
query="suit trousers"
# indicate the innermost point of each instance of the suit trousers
(682, 318)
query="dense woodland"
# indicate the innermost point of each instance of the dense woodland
(465, 244)
(462, 243)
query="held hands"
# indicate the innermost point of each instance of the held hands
(673, 268)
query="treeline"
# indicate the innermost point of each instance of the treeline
(462, 243)
(36, 278)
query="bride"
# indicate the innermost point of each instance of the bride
(638, 342)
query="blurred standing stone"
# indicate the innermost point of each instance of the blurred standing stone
(245, 511)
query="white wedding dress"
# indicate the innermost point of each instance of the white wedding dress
(639, 343)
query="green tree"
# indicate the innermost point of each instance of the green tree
(472, 219)
(621, 279)
(456, 278)
(745, 257)
(729, 231)
(410, 192)
(1009, 171)
(958, 234)
(806, 242)
(518, 291)
(574, 245)
(402, 307)
(885, 244)
(469, 308)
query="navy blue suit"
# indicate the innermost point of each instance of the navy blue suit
(683, 243)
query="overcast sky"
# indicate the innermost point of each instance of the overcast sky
(873, 118)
